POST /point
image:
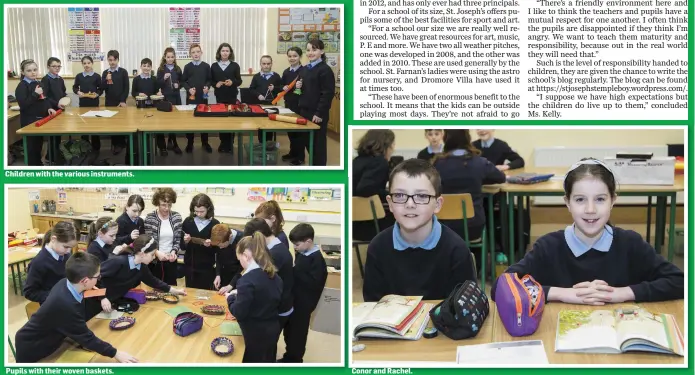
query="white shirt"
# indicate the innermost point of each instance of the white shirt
(166, 237)
(223, 64)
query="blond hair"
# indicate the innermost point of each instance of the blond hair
(257, 246)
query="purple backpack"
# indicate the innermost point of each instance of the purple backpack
(520, 303)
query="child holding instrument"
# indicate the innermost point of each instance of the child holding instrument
(168, 77)
(130, 224)
(55, 90)
(116, 85)
(196, 80)
(199, 259)
(48, 267)
(226, 76)
(266, 85)
(102, 234)
(294, 56)
(144, 84)
(88, 83)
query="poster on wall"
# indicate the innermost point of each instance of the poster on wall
(297, 26)
(336, 194)
(297, 195)
(321, 194)
(184, 30)
(62, 196)
(277, 194)
(84, 34)
(34, 195)
(256, 194)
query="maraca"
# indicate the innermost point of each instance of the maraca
(298, 91)
(205, 94)
(192, 97)
(108, 79)
(42, 96)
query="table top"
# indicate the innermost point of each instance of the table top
(20, 254)
(12, 114)
(70, 122)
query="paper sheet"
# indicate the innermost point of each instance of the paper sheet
(230, 329)
(174, 311)
(110, 316)
(530, 352)
(189, 107)
(104, 113)
(75, 355)
(34, 250)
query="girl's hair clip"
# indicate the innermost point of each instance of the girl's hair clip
(591, 161)
(144, 248)
(131, 245)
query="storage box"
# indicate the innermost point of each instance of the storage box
(271, 154)
(656, 171)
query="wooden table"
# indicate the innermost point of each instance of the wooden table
(548, 328)
(285, 127)
(17, 256)
(152, 338)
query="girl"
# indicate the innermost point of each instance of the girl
(196, 82)
(48, 267)
(130, 225)
(463, 171)
(33, 106)
(88, 82)
(256, 300)
(266, 85)
(168, 77)
(592, 262)
(370, 171)
(272, 214)
(125, 271)
(226, 76)
(317, 83)
(164, 225)
(294, 56)
(199, 259)
(102, 234)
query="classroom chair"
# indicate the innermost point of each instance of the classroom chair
(460, 207)
(366, 209)
(14, 353)
(31, 308)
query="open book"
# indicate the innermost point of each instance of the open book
(393, 317)
(618, 331)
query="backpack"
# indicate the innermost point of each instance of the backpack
(77, 152)
(462, 314)
(520, 303)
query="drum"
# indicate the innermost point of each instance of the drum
(156, 99)
(65, 101)
(141, 101)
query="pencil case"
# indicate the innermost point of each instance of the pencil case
(529, 178)
(187, 323)
(138, 295)
(251, 110)
(212, 110)
(520, 303)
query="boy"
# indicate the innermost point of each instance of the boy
(196, 80)
(435, 138)
(62, 315)
(145, 84)
(116, 84)
(417, 256)
(54, 87)
(310, 274)
(497, 151)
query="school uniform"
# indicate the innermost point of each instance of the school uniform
(86, 83)
(196, 74)
(310, 274)
(428, 153)
(120, 274)
(370, 174)
(283, 238)
(32, 109)
(259, 86)
(220, 72)
(620, 257)
(43, 273)
(171, 94)
(318, 89)
(431, 269)
(116, 93)
(61, 316)
(498, 151)
(126, 226)
(199, 261)
(100, 249)
(255, 307)
(54, 88)
(146, 84)
(228, 267)
(292, 103)
(169, 235)
(282, 259)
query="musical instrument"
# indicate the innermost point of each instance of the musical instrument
(288, 119)
(282, 94)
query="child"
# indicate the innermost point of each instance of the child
(33, 106)
(168, 77)
(55, 90)
(116, 84)
(434, 137)
(226, 76)
(102, 234)
(294, 56)
(283, 262)
(199, 260)
(463, 171)
(370, 174)
(417, 256)
(317, 83)
(310, 274)
(144, 84)
(130, 225)
(48, 267)
(196, 83)
(592, 262)
(272, 214)
(256, 300)
(63, 316)
(86, 83)
(497, 151)
(266, 84)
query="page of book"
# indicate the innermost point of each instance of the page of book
(391, 310)
(587, 331)
(634, 326)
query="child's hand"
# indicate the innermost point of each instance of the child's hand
(207, 243)
(219, 84)
(285, 88)
(122, 104)
(186, 238)
(503, 167)
(106, 305)
(181, 292)
(228, 82)
(217, 282)
(38, 90)
(159, 92)
(271, 87)
(80, 94)
(298, 84)
(117, 250)
(224, 290)
(205, 90)
(316, 119)
(192, 91)
(61, 106)
(176, 85)
(261, 97)
(167, 75)
(124, 357)
(173, 257)
(161, 256)
(51, 111)
(135, 234)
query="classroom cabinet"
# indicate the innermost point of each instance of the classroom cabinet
(334, 113)
(43, 224)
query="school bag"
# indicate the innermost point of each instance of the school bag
(520, 303)
(462, 314)
(77, 152)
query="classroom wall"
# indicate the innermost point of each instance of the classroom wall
(524, 141)
(90, 202)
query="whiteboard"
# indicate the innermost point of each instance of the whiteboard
(561, 156)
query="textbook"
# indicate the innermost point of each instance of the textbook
(393, 317)
(621, 330)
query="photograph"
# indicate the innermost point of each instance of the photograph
(518, 246)
(197, 274)
(200, 85)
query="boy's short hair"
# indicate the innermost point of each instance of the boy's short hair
(434, 130)
(52, 60)
(113, 53)
(302, 232)
(81, 265)
(146, 61)
(416, 167)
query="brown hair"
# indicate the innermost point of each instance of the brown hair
(417, 167)
(80, 265)
(64, 231)
(163, 62)
(257, 225)
(164, 195)
(375, 142)
(138, 244)
(202, 200)
(101, 225)
(268, 209)
(257, 246)
(590, 170)
(135, 199)
(194, 45)
(266, 56)
(24, 64)
(318, 44)
(218, 55)
(457, 139)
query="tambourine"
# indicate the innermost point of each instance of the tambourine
(213, 309)
(153, 296)
(170, 298)
(65, 101)
(121, 323)
(91, 95)
(222, 346)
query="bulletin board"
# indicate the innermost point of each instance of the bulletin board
(184, 30)
(84, 34)
(297, 26)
